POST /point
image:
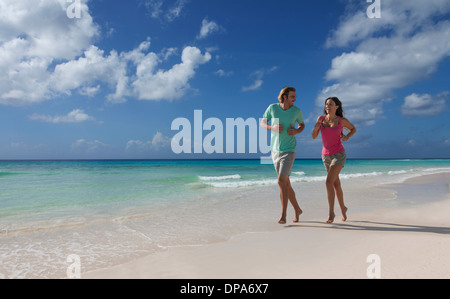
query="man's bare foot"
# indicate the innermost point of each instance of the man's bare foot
(331, 218)
(297, 215)
(344, 214)
(282, 220)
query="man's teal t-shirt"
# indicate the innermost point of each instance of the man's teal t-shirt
(282, 142)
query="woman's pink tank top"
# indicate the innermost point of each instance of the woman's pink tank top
(331, 138)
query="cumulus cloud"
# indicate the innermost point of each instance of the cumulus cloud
(258, 76)
(424, 104)
(208, 28)
(75, 116)
(222, 73)
(145, 82)
(158, 141)
(255, 86)
(45, 54)
(397, 18)
(389, 53)
(33, 35)
(89, 146)
(157, 84)
(169, 12)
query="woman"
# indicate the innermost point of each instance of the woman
(331, 125)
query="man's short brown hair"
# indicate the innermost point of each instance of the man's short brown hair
(285, 92)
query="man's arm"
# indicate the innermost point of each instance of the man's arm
(294, 131)
(276, 128)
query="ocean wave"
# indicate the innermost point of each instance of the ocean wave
(236, 181)
(219, 178)
(359, 175)
(298, 173)
(244, 183)
(437, 170)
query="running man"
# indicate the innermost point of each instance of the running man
(283, 116)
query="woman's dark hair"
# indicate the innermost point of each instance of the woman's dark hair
(339, 111)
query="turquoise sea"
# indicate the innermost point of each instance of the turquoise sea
(111, 211)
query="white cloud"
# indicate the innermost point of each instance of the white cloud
(397, 18)
(222, 73)
(405, 45)
(33, 34)
(153, 84)
(45, 54)
(424, 104)
(90, 91)
(208, 28)
(258, 82)
(146, 82)
(89, 146)
(255, 86)
(158, 9)
(158, 142)
(75, 116)
(175, 11)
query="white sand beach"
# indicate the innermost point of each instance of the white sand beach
(410, 240)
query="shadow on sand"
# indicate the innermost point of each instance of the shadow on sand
(373, 226)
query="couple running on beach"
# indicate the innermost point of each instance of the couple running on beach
(283, 116)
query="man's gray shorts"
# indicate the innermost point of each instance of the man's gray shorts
(283, 162)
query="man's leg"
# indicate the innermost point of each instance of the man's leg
(287, 194)
(283, 182)
(294, 202)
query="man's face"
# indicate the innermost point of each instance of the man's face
(291, 98)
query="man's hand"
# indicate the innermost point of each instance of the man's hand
(278, 128)
(292, 130)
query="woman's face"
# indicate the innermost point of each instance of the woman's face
(330, 107)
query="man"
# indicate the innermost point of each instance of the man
(283, 116)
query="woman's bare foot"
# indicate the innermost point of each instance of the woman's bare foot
(344, 214)
(282, 220)
(331, 218)
(297, 215)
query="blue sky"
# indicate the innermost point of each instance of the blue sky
(106, 79)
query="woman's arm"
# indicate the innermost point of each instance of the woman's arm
(347, 124)
(316, 129)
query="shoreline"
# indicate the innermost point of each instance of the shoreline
(410, 239)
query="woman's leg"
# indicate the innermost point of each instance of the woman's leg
(340, 198)
(333, 175)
